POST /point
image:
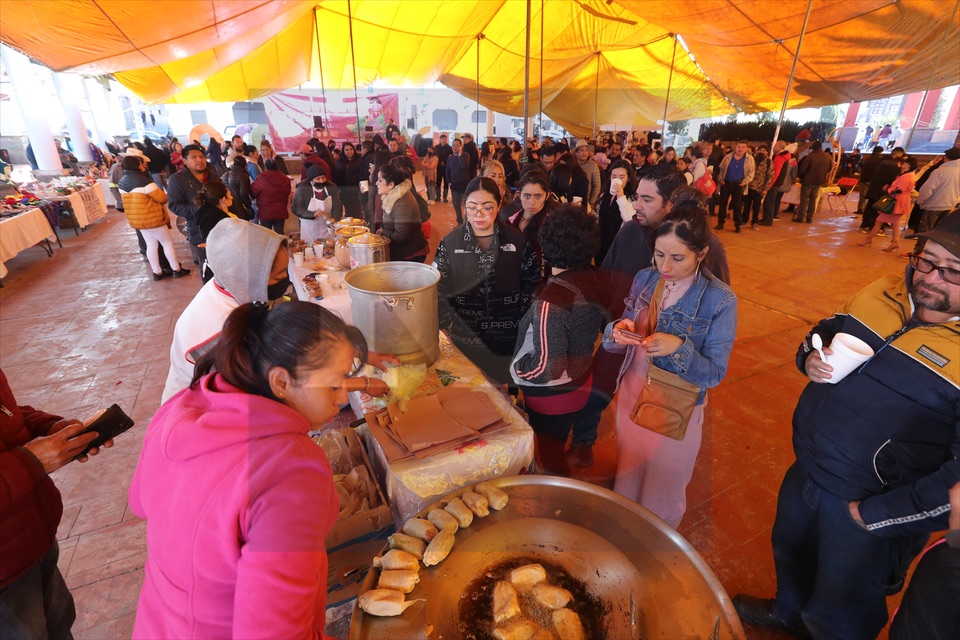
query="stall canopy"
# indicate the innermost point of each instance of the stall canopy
(604, 62)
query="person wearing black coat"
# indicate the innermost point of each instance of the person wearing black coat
(348, 173)
(237, 180)
(883, 174)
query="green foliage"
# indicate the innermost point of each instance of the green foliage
(757, 131)
(678, 127)
(830, 114)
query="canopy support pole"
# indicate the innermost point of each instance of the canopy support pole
(936, 65)
(323, 86)
(666, 103)
(540, 113)
(476, 119)
(596, 96)
(526, 89)
(353, 63)
(793, 70)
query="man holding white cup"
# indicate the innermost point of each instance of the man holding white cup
(877, 452)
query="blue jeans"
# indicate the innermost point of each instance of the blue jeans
(832, 573)
(38, 604)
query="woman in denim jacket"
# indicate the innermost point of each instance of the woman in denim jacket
(693, 339)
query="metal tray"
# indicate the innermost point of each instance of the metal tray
(623, 553)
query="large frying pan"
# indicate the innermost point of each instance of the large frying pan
(654, 584)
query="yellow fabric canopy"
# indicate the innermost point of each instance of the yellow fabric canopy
(605, 62)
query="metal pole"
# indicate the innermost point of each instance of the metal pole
(596, 96)
(526, 88)
(943, 43)
(353, 62)
(666, 103)
(793, 70)
(476, 118)
(540, 113)
(323, 86)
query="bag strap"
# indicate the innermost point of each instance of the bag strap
(653, 311)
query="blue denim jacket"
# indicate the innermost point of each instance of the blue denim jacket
(705, 317)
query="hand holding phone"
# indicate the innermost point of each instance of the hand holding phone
(107, 425)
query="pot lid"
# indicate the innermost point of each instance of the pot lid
(368, 239)
(349, 222)
(347, 232)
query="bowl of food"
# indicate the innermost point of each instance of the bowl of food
(560, 559)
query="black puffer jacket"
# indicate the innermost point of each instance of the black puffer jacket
(483, 295)
(237, 180)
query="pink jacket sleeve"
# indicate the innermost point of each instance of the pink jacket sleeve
(282, 574)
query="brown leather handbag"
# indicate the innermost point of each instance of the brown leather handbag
(667, 401)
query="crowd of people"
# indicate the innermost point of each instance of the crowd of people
(575, 274)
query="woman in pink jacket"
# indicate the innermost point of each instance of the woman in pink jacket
(901, 189)
(237, 499)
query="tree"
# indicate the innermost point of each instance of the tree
(830, 114)
(678, 127)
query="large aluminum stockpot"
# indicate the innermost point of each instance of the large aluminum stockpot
(651, 581)
(394, 304)
(368, 248)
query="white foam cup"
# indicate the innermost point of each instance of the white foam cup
(364, 185)
(576, 200)
(849, 352)
(298, 258)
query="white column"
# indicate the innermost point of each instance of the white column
(99, 111)
(27, 87)
(69, 90)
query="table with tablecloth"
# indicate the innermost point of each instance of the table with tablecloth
(22, 232)
(411, 484)
(88, 205)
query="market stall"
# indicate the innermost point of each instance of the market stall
(413, 482)
(87, 205)
(22, 231)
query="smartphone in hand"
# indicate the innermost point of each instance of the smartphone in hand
(630, 334)
(108, 425)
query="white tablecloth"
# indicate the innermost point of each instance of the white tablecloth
(412, 484)
(88, 205)
(22, 232)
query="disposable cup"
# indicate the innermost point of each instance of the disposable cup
(849, 352)
(309, 254)
(298, 258)
(364, 185)
(576, 200)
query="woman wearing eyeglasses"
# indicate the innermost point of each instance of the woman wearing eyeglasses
(488, 274)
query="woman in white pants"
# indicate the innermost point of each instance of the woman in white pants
(143, 204)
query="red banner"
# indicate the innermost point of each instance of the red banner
(290, 116)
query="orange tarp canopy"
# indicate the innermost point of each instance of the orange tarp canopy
(604, 61)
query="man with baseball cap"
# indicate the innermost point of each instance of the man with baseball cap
(877, 451)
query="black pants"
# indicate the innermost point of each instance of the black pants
(771, 205)
(443, 186)
(752, 204)
(870, 214)
(929, 609)
(552, 432)
(731, 193)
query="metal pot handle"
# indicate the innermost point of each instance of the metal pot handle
(390, 302)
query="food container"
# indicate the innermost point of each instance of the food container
(394, 304)
(368, 248)
(343, 234)
(649, 580)
(343, 223)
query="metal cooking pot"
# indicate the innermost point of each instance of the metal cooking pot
(342, 251)
(394, 304)
(652, 582)
(348, 222)
(368, 248)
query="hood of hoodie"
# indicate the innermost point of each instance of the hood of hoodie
(217, 415)
(241, 255)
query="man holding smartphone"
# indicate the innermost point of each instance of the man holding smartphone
(34, 599)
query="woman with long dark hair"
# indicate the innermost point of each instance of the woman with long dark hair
(680, 320)
(489, 272)
(226, 470)
(348, 174)
(615, 205)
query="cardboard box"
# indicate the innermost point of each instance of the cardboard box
(354, 541)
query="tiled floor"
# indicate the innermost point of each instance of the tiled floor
(89, 327)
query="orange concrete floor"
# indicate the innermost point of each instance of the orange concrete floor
(89, 327)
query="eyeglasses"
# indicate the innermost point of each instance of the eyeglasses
(951, 276)
(487, 209)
